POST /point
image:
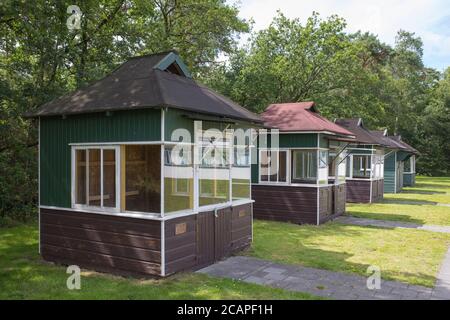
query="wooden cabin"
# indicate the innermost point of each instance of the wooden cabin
(144, 172)
(300, 174)
(400, 165)
(365, 163)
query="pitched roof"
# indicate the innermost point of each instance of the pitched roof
(398, 139)
(157, 80)
(382, 134)
(299, 116)
(363, 135)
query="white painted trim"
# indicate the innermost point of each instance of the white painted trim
(74, 205)
(153, 216)
(163, 248)
(309, 185)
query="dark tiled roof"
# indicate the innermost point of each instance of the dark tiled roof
(406, 147)
(137, 84)
(387, 140)
(300, 116)
(363, 136)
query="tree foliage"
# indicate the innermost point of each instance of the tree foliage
(348, 75)
(40, 59)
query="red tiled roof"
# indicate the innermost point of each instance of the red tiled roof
(299, 116)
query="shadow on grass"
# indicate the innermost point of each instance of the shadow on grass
(432, 186)
(386, 216)
(292, 247)
(422, 191)
(407, 201)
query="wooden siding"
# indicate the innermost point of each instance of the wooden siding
(389, 173)
(298, 140)
(208, 238)
(358, 191)
(56, 134)
(105, 243)
(181, 249)
(377, 190)
(331, 202)
(241, 227)
(285, 203)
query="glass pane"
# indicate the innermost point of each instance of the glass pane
(273, 166)
(333, 163)
(214, 173)
(80, 176)
(264, 166)
(94, 177)
(408, 165)
(282, 166)
(143, 178)
(304, 166)
(109, 178)
(178, 179)
(361, 166)
(241, 174)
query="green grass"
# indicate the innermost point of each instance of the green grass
(411, 256)
(415, 204)
(23, 275)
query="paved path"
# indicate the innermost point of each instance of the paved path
(334, 285)
(390, 224)
(442, 288)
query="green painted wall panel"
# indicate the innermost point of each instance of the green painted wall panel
(298, 140)
(56, 134)
(389, 173)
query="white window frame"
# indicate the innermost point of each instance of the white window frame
(288, 161)
(100, 208)
(317, 150)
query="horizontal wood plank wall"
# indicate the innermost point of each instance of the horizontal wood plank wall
(358, 191)
(377, 190)
(113, 244)
(340, 198)
(207, 238)
(285, 203)
(181, 244)
(241, 227)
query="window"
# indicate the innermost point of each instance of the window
(95, 182)
(241, 171)
(142, 178)
(304, 166)
(214, 169)
(362, 166)
(333, 163)
(273, 166)
(407, 167)
(178, 178)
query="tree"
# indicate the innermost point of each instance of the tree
(40, 59)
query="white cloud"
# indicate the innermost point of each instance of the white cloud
(429, 19)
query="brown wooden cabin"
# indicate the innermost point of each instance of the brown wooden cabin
(127, 183)
(300, 174)
(365, 163)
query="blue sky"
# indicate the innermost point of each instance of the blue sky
(429, 19)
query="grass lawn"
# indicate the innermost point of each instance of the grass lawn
(411, 256)
(23, 275)
(415, 204)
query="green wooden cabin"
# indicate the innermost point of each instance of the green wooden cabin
(144, 172)
(300, 173)
(401, 165)
(365, 162)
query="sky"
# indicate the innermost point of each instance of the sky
(429, 19)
